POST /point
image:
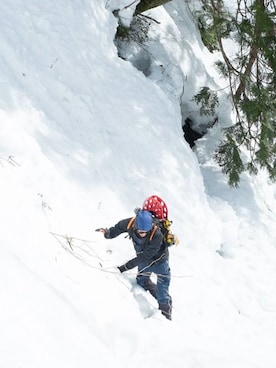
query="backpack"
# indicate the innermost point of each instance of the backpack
(156, 206)
(159, 210)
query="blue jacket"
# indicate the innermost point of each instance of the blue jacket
(148, 250)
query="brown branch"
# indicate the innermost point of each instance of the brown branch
(129, 5)
(149, 4)
(252, 58)
(253, 54)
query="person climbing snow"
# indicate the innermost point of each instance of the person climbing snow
(152, 256)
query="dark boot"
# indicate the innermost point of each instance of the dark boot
(151, 287)
(166, 309)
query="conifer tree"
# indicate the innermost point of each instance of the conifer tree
(252, 75)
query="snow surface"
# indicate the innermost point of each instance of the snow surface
(85, 138)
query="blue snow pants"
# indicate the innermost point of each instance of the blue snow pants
(162, 270)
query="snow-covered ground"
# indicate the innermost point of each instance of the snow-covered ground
(85, 138)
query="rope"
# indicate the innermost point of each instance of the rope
(70, 242)
(145, 273)
(111, 270)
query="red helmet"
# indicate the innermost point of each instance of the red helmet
(156, 206)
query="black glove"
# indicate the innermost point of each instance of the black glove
(129, 265)
(122, 268)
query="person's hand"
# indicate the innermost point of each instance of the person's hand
(122, 268)
(101, 230)
(105, 232)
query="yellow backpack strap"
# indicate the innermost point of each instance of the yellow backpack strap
(131, 223)
(153, 231)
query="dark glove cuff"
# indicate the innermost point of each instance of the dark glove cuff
(132, 263)
(107, 234)
(129, 265)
